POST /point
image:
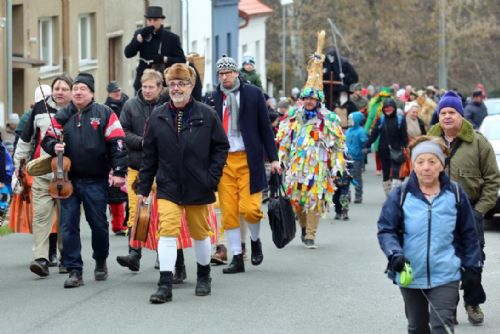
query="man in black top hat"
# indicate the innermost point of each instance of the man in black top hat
(158, 48)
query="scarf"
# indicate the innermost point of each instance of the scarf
(412, 127)
(310, 114)
(232, 104)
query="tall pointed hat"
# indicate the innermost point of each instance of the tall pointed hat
(314, 84)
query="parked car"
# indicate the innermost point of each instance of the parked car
(491, 130)
(493, 106)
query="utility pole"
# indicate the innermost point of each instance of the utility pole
(443, 69)
(284, 3)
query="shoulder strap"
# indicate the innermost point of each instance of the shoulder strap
(402, 195)
(456, 192)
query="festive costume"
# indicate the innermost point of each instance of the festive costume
(311, 145)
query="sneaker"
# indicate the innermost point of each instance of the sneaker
(309, 243)
(338, 216)
(40, 267)
(74, 280)
(475, 315)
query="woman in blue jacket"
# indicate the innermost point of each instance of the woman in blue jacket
(428, 224)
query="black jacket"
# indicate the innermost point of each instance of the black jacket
(475, 113)
(94, 141)
(188, 166)
(392, 131)
(116, 105)
(133, 119)
(255, 130)
(163, 43)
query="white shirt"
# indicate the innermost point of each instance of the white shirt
(236, 143)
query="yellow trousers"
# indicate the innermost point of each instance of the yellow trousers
(170, 215)
(132, 197)
(234, 193)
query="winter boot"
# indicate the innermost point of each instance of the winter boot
(345, 214)
(236, 266)
(220, 255)
(203, 282)
(257, 256)
(474, 314)
(53, 250)
(164, 292)
(74, 280)
(101, 270)
(180, 268)
(396, 183)
(338, 216)
(387, 185)
(132, 261)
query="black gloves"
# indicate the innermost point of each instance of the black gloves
(397, 263)
(471, 284)
(146, 31)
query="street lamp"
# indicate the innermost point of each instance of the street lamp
(284, 3)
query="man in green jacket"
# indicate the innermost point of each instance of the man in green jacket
(471, 163)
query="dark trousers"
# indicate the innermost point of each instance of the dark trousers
(357, 175)
(390, 170)
(341, 199)
(420, 313)
(93, 195)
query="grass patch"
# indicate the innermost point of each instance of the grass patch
(4, 230)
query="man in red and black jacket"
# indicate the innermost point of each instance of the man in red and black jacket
(94, 142)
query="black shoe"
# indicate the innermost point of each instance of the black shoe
(345, 214)
(40, 267)
(131, 261)
(53, 260)
(179, 275)
(204, 281)
(236, 266)
(338, 216)
(101, 270)
(257, 255)
(164, 292)
(74, 280)
(358, 201)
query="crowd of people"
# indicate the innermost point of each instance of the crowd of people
(183, 155)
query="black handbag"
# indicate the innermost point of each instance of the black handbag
(397, 156)
(280, 213)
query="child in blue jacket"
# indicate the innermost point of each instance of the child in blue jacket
(356, 138)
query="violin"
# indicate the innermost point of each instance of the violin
(143, 217)
(60, 186)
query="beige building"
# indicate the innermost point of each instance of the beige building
(53, 37)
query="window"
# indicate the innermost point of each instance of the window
(46, 44)
(86, 38)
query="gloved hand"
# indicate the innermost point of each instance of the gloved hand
(397, 263)
(146, 31)
(471, 277)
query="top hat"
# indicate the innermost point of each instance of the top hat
(154, 12)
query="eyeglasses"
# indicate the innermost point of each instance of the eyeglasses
(180, 84)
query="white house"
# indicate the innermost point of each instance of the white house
(197, 34)
(252, 36)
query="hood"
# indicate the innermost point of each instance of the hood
(357, 118)
(392, 103)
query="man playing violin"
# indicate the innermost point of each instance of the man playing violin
(94, 142)
(44, 206)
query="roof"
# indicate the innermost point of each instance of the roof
(253, 8)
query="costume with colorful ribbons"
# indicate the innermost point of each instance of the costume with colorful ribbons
(312, 151)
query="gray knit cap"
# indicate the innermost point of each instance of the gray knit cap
(226, 63)
(428, 147)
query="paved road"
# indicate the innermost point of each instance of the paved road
(338, 288)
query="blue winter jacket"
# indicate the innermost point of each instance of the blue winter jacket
(356, 137)
(438, 238)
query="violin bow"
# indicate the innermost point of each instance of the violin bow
(59, 137)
